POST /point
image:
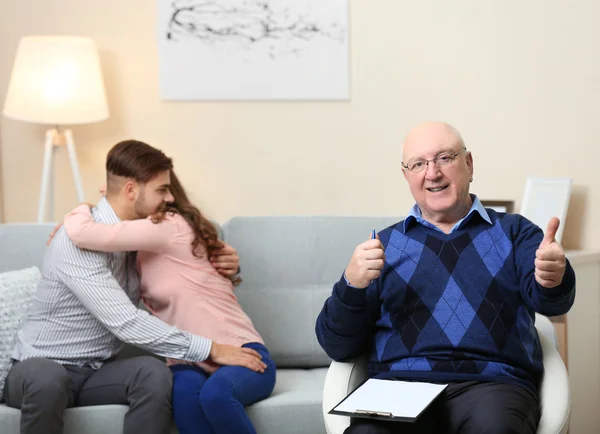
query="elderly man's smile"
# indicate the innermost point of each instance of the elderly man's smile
(437, 189)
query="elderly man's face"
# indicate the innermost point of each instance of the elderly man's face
(441, 189)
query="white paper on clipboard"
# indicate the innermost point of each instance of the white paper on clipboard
(402, 399)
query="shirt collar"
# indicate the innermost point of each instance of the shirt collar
(106, 212)
(415, 216)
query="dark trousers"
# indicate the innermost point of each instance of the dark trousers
(43, 389)
(468, 407)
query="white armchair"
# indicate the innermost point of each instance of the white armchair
(555, 394)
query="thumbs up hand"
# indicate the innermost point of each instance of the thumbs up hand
(550, 259)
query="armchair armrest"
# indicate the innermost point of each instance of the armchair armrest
(555, 395)
(342, 378)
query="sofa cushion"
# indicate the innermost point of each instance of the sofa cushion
(285, 318)
(280, 252)
(25, 245)
(17, 289)
(294, 407)
(99, 419)
(289, 265)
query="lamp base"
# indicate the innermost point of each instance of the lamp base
(55, 138)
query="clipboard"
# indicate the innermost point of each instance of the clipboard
(390, 400)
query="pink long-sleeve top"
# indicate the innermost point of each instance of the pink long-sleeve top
(178, 287)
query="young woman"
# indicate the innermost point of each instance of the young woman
(181, 286)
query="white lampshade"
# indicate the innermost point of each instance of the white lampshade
(56, 80)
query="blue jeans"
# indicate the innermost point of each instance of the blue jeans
(214, 404)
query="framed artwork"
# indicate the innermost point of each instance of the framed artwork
(253, 49)
(545, 198)
(499, 205)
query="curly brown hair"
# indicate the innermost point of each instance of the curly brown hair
(205, 232)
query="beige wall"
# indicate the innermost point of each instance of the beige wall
(521, 80)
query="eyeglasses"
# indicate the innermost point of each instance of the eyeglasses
(441, 160)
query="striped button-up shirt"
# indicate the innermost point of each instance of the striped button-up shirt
(86, 306)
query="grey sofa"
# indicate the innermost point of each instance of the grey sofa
(288, 266)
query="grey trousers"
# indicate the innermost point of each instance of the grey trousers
(43, 389)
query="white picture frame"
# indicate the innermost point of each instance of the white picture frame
(545, 198)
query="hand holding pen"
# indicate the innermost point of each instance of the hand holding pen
(366, 262)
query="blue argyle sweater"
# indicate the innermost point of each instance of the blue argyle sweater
(449, 307)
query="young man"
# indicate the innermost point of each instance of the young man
(86, 306)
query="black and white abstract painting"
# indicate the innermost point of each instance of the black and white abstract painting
(253, 49)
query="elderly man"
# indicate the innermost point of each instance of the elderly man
(448, 295)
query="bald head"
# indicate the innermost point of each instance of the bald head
(430, 135)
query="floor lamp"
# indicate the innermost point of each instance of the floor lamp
(56, 80)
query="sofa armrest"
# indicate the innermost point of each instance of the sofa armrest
(555, 394)
(342, 378)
